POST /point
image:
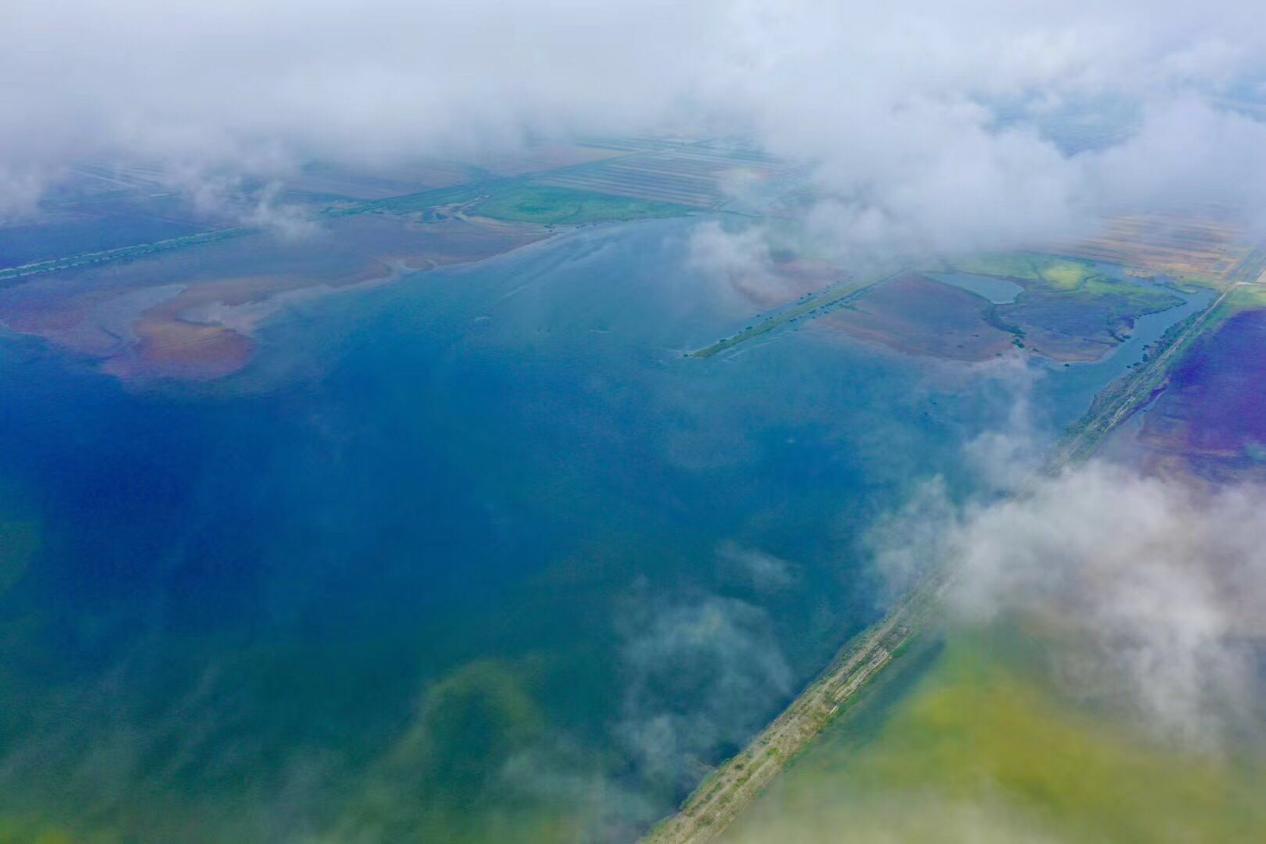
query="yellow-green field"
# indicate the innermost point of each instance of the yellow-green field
(978, 745)
(1063, 275)
(1058, 272)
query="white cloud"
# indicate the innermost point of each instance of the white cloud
(755, 569)
(891, 104)
(1158, 586)
(700, 676)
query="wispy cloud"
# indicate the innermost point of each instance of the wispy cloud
(700, 676)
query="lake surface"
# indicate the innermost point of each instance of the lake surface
(1000, 291)
(479, 554)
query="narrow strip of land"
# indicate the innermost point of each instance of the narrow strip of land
(718, 800)
(811, 306)
(122, 253)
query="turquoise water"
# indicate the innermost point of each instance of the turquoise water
(996, 290)
(478, 555)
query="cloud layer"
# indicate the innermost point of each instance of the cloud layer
(925, 125)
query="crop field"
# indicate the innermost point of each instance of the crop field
(1187, 248)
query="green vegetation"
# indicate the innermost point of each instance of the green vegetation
(1063, 273)
(984, 748)
(1239, 299)
(17, 831)
(462, 770)
(1070, 307)
(1067, 275)
(517, 201)
(562, 206)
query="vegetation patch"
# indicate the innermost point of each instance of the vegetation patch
(1063, 273)
(1071, 310)
(985, 746)
(561, 206)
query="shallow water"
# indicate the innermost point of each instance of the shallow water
(997, 290)
(480, 548)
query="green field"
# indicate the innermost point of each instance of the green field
(1239, 299)
(517, 201)
(980, 745)
(1064, 273)
(552, 206)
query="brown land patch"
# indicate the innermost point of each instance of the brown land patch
(192, 314)
(915, 315)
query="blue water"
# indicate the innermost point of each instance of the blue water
(478, 551)
(1000, 291)
(1068, 395)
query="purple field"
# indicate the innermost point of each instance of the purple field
(1214, 410)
